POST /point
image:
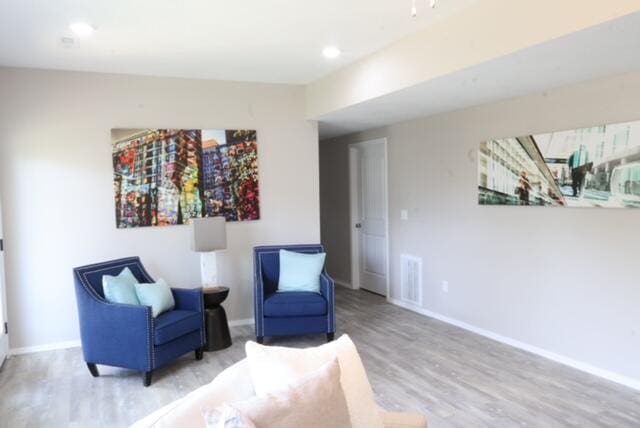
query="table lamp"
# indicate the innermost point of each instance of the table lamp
(208, 235)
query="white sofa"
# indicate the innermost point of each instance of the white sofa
(234, 384)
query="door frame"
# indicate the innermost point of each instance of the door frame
(354, 211)
(4, 337)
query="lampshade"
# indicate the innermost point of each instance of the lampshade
(208, 234)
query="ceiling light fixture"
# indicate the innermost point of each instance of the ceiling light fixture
(331, 52)
(82, 29)
(414, 9)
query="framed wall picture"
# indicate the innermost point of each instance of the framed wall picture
(588, 167)
(165, 177)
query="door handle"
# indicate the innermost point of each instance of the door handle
(358, 225)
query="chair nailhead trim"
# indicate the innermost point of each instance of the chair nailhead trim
(151, 356)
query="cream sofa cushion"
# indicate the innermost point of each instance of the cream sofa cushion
(315, 401)
(234, 384)
(275, 368)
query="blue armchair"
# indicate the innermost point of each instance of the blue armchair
(291, 313)
(127, 335)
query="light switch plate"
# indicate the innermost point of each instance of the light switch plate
(404, 214)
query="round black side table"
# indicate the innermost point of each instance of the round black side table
(215, 319)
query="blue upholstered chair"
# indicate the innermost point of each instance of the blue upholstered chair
(127, 335)
(290, 313)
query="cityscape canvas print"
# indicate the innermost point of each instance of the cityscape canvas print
(589, 167)
(165, 177)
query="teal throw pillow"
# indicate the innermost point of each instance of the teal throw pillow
(300, 272)
(157, 295)
(121, 288)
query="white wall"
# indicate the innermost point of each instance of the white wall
(56, 184)
(564, 280)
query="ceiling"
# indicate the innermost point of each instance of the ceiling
(281, 41)
(248, 40)
(604, 50)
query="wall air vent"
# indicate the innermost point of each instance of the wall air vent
(411, 279)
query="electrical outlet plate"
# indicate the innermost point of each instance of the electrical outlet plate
(445, 286)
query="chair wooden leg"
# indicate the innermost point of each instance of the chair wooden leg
(199, 353)
(330, 337)
(260, 339)
(93, 369)
(146, 378)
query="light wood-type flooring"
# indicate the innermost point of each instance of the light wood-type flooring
(456, 378)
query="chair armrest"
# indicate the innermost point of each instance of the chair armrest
(258, 301)
(327, 286)
(117, 334)
(327, 289)
(188, 299)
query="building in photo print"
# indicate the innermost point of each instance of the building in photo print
(165, 177)
(589, 167)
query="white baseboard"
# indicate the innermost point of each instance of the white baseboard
(579, 365)
(342, 283)
(43, 348)
(238, 323)
(77, 344)
(4, 348)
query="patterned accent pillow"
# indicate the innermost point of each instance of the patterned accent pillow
(226, 417)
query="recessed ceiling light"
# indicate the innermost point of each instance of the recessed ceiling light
(82, 29)
(331, 52)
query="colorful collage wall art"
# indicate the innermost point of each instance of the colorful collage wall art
(165, 177)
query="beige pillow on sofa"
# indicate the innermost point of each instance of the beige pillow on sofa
(315, 401)
(275, 368)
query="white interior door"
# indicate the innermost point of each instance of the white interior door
(369, 215)
(4, 338)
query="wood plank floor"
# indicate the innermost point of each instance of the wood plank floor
(456, 378)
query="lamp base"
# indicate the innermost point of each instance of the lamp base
(209, 269)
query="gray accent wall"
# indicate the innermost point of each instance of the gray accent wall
(563, 280)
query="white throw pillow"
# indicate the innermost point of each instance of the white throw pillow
(275, 368)
(316, 401)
